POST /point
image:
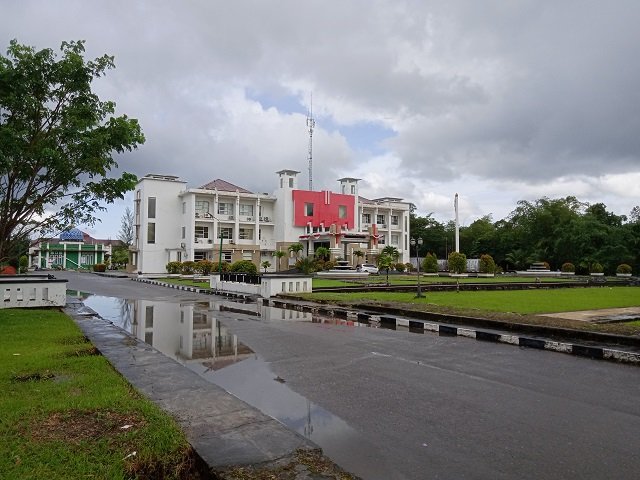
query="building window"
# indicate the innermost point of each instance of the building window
(202, 206)
(342, 211)
(225, 208)
(184, 207)
(245, 234)
(353, 189)
(308, 209)
(151, 207)
(199, 256)
(247, 256)
(226, 256)
(291, 183)
(246, 210)
(259, 234)
(148, 317)
(395, 239)
(366, 218)
(381, 241)
(380, 219)
(184, 231)
(225, 232)
(394, 220)
(151, 232)
(202, 232)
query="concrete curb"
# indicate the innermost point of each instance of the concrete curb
(422, 326)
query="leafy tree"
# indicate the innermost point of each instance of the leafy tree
(244, 266)
(266, 264)
(127, 227)
(391, 251)
(57, 141)
(306, 265)
(487, 264)
(120, 257)
(429, 263)
(457, 262)
(358, 254)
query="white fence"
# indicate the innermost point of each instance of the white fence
(23, 291)
(270, 285)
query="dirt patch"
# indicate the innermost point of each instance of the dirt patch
(33, 377)
(305, 464)
(84, 352)
(187, 467)
(74, 340)
(76, 426)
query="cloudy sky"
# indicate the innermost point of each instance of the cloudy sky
(497, 100)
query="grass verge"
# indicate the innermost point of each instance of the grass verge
(184, 281)
(521, 306)
(66, 413)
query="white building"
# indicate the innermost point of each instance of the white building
(221, 220)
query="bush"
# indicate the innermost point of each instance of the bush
(623, 268)
(596, 268)
(329, 264)
(457, 262)
(409, 267)
(546, 265)
(174, 267)
(188, 267)
(568, 267)
(244, 266)
(24, 263)
(487, 264)
(204, 267)
(429, 263)
(399, 267)
(99, 267)
(215, 267)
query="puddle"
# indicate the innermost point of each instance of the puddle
(192, 334)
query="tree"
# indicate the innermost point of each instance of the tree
(120, 257)
(57, 142)
(384, 263)
(457, 262)
(296, 248)
(391, 251)
(278, 254)
(244, 266)
(358, 254)
(266, 264)
(127, 228)
(322, 253)
(430, 263)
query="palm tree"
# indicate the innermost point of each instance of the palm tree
(392, 252)
(296, 248)
(358, 254)
(384, 262)
(278, 254)
(266, 264)
(322, 253)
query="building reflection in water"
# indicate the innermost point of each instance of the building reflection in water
(186, 332)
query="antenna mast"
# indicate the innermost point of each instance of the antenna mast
(311, 123)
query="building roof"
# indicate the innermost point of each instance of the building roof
(72, 235)
(224, 186)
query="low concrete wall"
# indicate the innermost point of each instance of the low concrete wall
(270, 285)
(27, 291)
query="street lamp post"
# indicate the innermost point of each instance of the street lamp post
(418, 243)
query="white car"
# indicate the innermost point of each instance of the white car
(367, 267)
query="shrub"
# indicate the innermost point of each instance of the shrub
(244, 266)
(430, 263)
(329, 264)
(306, 265)
(204, 267)
(498, 270)
(546, 265)
(400, 267)
(215, 267)
(457, 262)
(487, 264)
(174, 267)
(568, 267)
(24, 263)
(409, 267)
(624, 268)
(188, 267)
(99, 267)
(596, 268)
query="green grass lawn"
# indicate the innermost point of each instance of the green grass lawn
(413, 279)
(516, 301)
(63, 406)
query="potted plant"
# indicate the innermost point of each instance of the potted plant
(568, 268)
(623, 270)
(596, 270)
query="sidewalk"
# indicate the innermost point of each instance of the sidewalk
(225, 432)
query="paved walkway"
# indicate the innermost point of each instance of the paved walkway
(605, 314)
(224, 431)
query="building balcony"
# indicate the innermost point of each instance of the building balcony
(247, 218)
(204, 216)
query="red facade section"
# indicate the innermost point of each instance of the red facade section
(326, 208)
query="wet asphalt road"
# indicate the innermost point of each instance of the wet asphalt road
(447, 407)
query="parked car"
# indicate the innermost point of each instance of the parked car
(367, 267)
